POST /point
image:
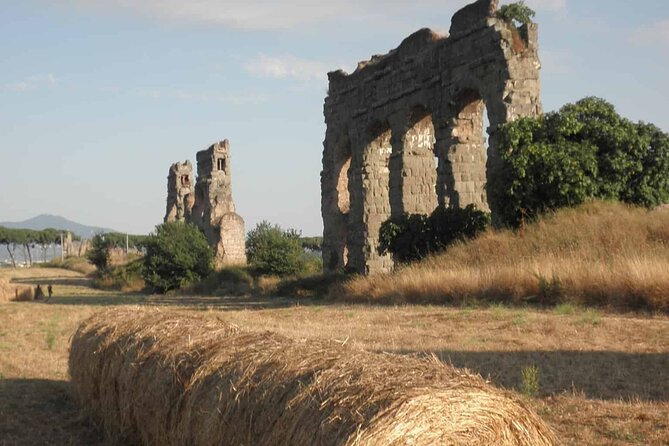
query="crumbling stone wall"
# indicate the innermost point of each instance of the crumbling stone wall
(214, 210)
(180, 192)
(405, 130)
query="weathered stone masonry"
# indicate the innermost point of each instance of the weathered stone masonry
(404, 131)
(213, 209)
(180, 192)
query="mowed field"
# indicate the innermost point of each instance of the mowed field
(603, 379)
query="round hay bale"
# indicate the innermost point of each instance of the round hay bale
(163, 378)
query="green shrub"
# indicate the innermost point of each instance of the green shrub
(127, 277)
(176, 255)
(414, 236)
(98, 254)
(273, 250)
(518, 12)
(585, 150)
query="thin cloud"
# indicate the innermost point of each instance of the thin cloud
(180, 95)
(258, 14)
(278, 14)
(287, 67)
(31, 83)
(654, 34)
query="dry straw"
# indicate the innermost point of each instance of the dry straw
(163, 378)
(14, 292)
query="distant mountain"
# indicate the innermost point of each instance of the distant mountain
(53, 221)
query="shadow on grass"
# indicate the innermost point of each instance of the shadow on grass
(597, 375)
(39, 411)
(196, 302)
(55, 281)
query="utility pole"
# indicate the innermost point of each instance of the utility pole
(126, 244)
(62, 249)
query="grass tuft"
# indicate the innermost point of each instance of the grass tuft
(529, 380)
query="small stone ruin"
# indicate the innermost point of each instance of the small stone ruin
(405, 130)
(180, 192)
(208, 204)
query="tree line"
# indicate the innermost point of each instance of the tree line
(25, 239)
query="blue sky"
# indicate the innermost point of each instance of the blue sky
(99, 97)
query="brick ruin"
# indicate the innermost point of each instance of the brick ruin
(211, 207)
(405, 129)
(180, 192)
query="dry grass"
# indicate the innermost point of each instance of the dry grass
(78, 264)
(602, 254)
(603, 378)
(173, 379)
(16, 292)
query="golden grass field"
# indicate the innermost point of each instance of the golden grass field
(603, 378)
(599, 254)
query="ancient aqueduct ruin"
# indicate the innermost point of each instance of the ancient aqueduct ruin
(404, 135)
(208, 202)
(405, 130)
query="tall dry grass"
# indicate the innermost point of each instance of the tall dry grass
(601, 253)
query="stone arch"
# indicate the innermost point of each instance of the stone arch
(463, 152)
(413, 166)
(480, 62)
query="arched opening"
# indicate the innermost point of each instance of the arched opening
(468, 152)
(343, 203)
(419, 176)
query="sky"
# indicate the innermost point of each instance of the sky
(99, 97)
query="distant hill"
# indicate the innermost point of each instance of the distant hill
(53, 221)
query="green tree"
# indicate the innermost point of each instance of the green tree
(273, 250)
(8, 237)
(517, 11)
(177, 255)
(98, 254)
(585, 150)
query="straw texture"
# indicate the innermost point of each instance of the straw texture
(163, 378)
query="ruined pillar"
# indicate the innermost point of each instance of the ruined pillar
(336, 201)
(180, 192)
(214, 210)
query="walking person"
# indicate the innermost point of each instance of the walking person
(38, 292)
(49, 290)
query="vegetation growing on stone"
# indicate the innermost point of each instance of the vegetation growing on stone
(584, 150)
(517, 11)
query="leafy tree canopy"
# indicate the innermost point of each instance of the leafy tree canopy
(518, 12)
(584, 150)
(176, 255)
